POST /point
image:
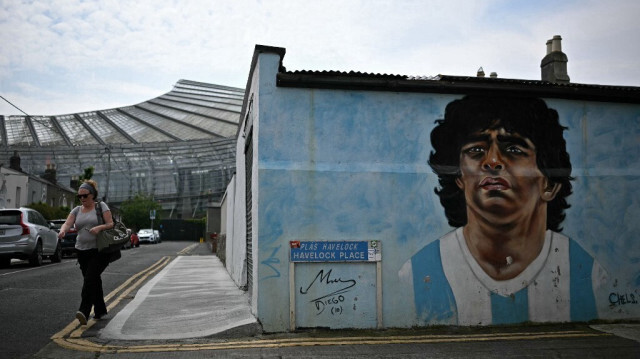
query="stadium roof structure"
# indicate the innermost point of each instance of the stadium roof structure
(178, 148)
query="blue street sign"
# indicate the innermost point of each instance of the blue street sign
(335, 251)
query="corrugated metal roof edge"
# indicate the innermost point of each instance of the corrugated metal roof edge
(456, 84)
(209, 85)
(182, 81)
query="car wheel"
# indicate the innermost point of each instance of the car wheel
(57, 255)
(36, 257)
(5, 262)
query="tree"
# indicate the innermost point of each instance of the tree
(88, 173)
(49, 212)
(135, 212)
(75, 184)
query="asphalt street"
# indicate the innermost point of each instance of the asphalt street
(158, 313)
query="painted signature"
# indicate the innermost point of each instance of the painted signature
(322, 278)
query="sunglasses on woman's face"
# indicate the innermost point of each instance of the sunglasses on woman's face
(83, 195)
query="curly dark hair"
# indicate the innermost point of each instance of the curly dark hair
(527, 116)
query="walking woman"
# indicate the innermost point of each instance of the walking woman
(92, 263)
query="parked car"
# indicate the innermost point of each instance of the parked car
(68, 243)
(25, 234)
(147, 236)
(127, 245)
(135, 240)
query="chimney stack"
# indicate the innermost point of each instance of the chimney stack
(50, 173)
(554, 64)
(74, 183)
(14, 162)
(556, 43)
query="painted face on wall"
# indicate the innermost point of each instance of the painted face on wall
(500, 177)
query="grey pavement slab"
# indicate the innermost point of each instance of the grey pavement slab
(624, 330)
(192, 297)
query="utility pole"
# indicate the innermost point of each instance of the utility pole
(106, 190)
(152, 216)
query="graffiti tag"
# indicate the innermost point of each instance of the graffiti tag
(271, 262)
(622, 299)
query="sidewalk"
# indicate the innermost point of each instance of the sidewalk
(192, 304)
(192, 297)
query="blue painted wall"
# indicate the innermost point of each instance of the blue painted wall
(352, 165)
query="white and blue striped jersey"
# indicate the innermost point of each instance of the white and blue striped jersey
(450, 287)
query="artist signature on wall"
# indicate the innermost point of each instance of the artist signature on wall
(338, 286)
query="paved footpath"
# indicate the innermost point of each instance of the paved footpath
(189, 306)
(192, 297)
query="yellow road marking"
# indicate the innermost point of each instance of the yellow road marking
(141, 276)
(147, 272)
(88, 346)
(187, 250)
(71, 336)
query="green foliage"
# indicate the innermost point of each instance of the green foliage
(88, 173)
(49, 212)
(202, 221)
(135, 212)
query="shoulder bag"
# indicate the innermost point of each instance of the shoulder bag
(111, 240)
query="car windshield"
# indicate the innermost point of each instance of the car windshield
(144, 231)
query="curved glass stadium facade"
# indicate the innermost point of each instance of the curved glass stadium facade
(178, 148)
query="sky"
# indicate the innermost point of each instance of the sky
(68, 56)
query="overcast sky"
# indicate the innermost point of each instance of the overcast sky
(68, 56)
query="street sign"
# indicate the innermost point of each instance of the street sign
(335, 251)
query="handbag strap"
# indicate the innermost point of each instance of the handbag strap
(99, 213)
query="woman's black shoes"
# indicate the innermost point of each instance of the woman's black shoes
(81, 318)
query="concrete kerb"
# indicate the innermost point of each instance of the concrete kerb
(168, 274)
(87, 338)
(342, 337)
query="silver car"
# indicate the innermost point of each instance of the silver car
(25, 234)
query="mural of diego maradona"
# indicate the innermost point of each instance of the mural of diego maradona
(504, 177)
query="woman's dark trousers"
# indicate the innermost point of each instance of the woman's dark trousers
(92, 264)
